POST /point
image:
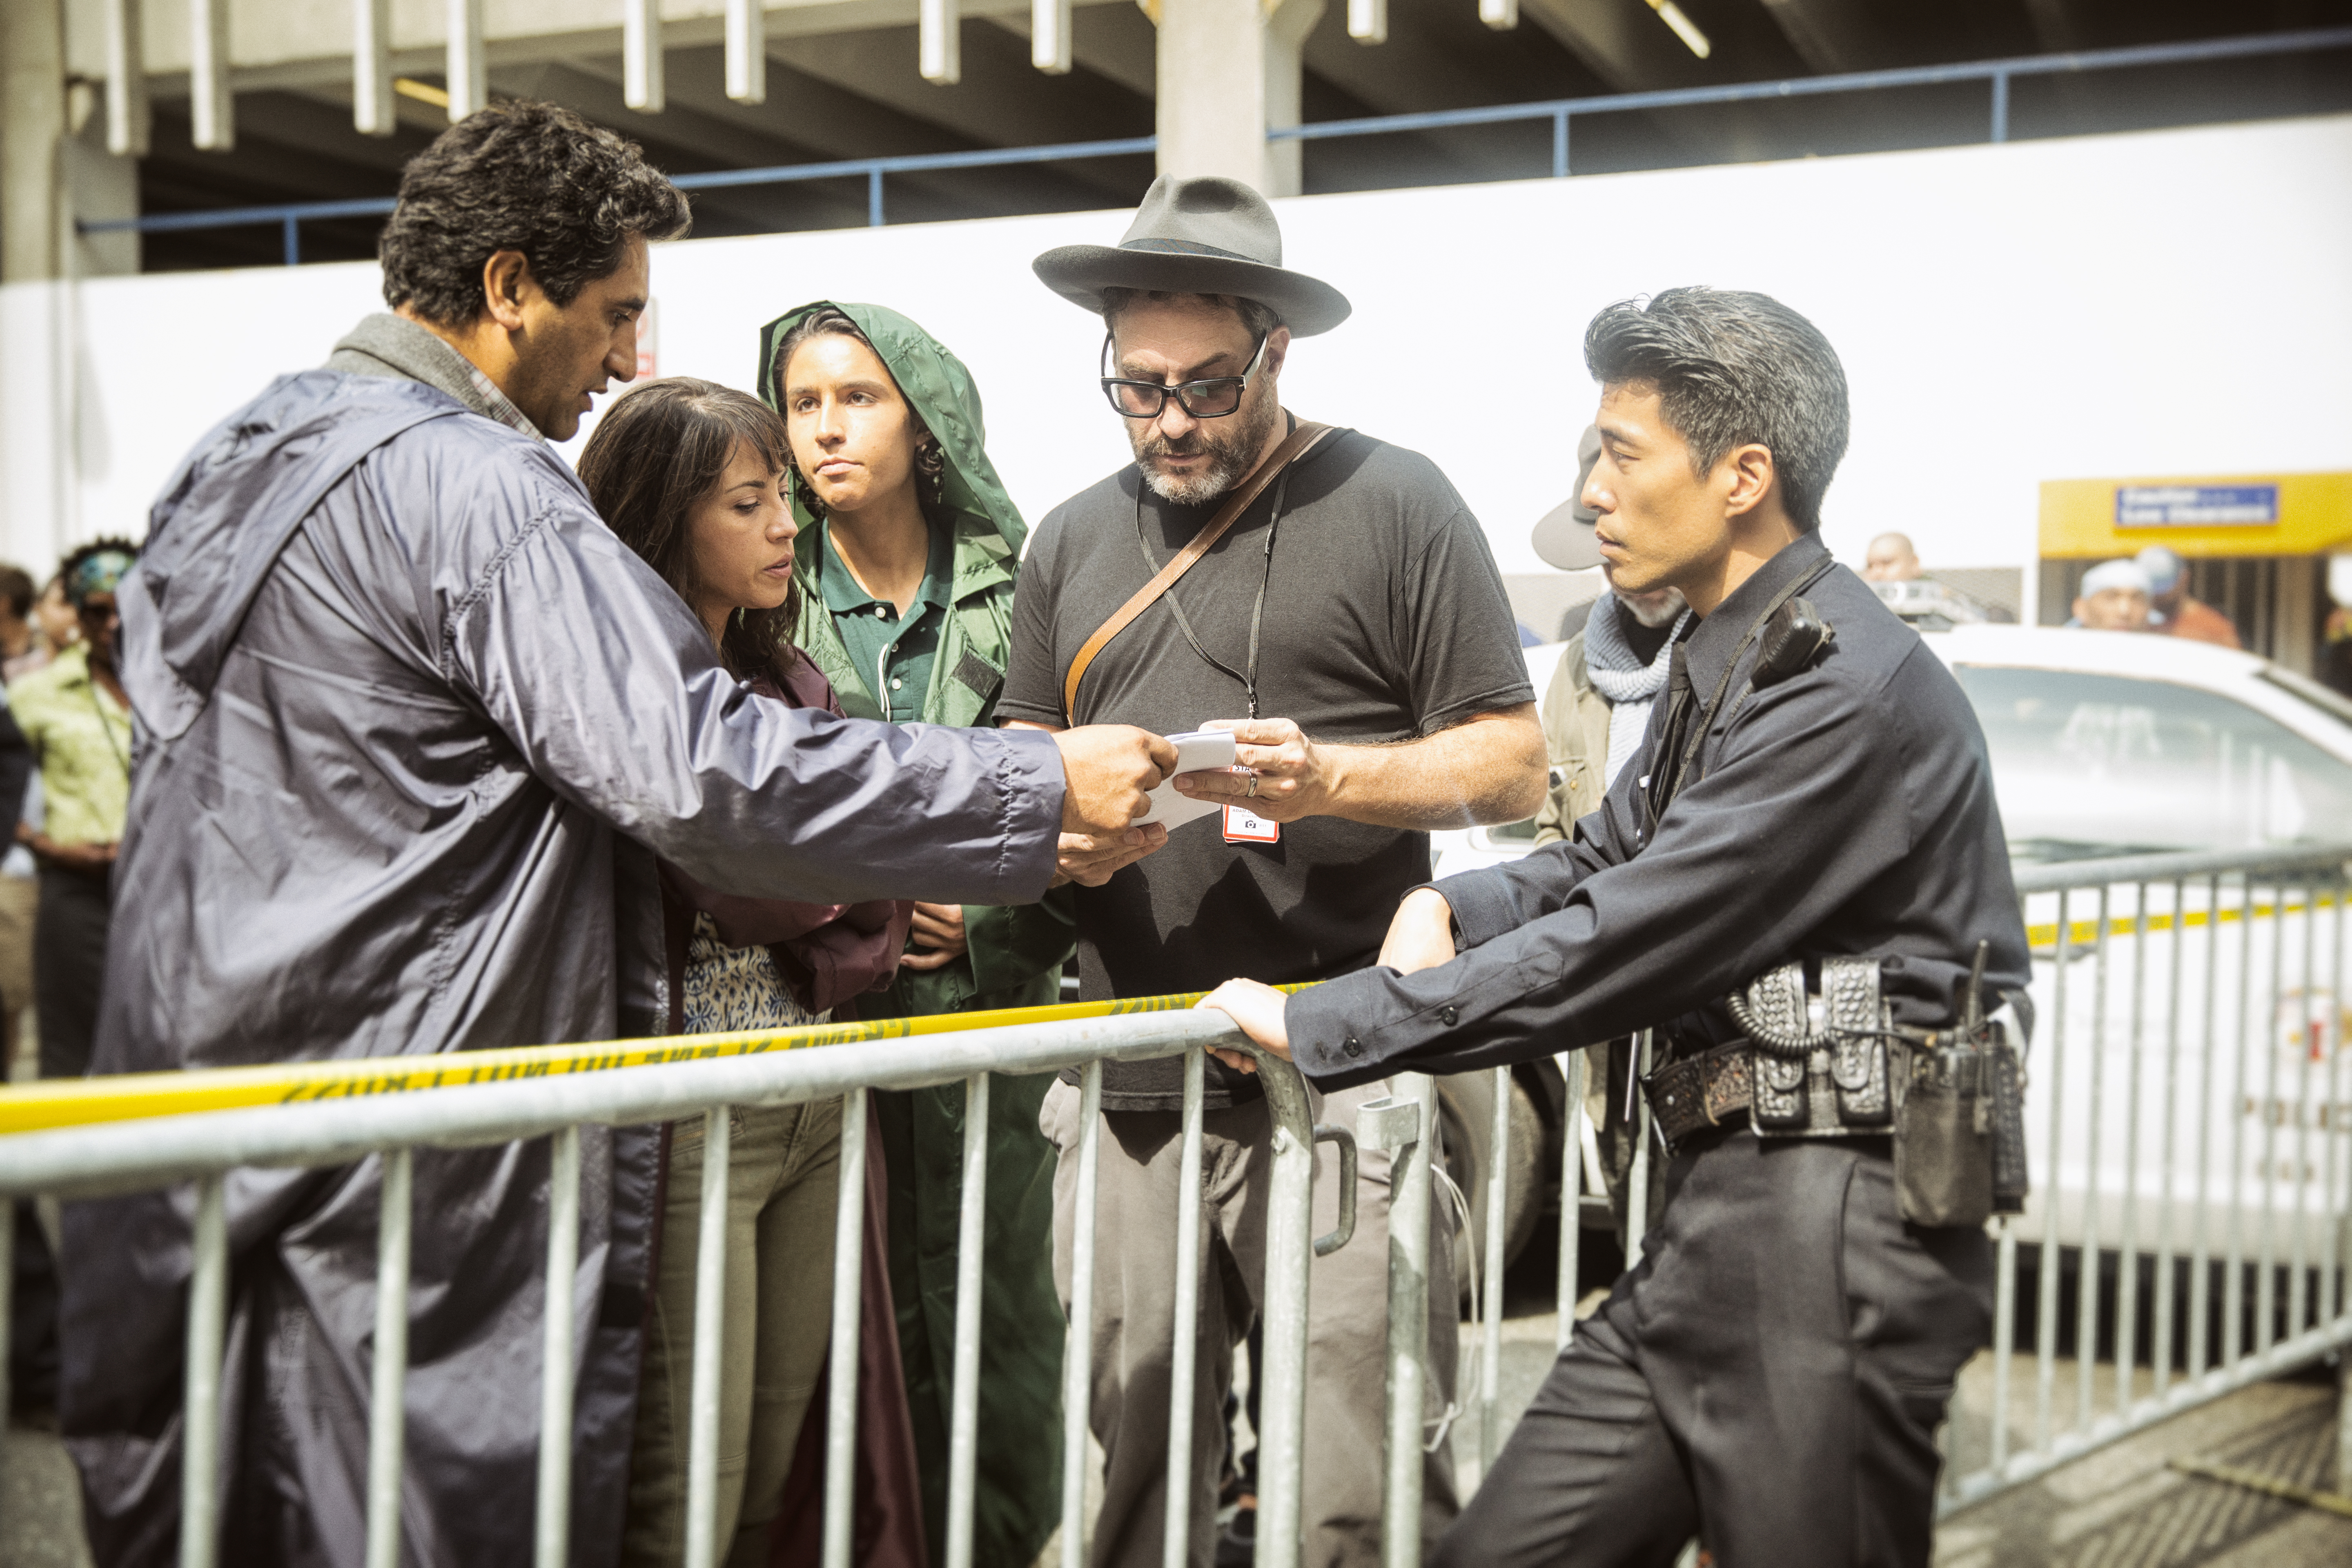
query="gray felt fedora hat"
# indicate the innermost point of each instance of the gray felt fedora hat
(1564, 538)
(1204, 236)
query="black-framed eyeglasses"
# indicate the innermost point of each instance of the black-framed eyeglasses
(1211, 399)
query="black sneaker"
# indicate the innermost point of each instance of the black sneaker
(1237, 1543)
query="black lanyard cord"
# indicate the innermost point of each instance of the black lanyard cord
(1258, 612)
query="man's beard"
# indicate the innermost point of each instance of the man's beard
(1232, 453)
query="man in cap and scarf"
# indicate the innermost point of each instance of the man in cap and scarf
(415, 729)
(1340, 613)
(1595, 713)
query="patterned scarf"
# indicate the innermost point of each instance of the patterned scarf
(1629, 685)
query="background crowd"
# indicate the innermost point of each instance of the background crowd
(65, 754)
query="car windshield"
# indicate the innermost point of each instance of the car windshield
(2103, 765)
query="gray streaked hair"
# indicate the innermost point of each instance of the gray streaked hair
(1731, 368)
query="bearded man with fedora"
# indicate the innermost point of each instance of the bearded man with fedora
(1338, 610)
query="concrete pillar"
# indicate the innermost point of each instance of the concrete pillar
(32, 123)
(1286, 36)
(98, 184)
(1227, 70)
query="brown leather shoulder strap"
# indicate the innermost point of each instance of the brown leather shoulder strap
(1294, 446)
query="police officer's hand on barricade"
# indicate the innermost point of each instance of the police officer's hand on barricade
(1257, 1008)
(1420, 937)
(1109, 770)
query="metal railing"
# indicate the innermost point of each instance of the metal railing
(2188, 1115)
(111, 1157)
(1997, 75)
(2186, 1112)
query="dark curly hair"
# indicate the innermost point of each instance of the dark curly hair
(659, 450)
(524, 176)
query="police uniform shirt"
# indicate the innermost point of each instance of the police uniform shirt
(1847, 809)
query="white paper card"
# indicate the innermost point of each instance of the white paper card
(1196, 751)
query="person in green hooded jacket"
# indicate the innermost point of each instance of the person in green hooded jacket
(909, 546)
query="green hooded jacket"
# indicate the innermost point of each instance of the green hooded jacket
(1015, 960)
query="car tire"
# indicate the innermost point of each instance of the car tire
(1466, 1112)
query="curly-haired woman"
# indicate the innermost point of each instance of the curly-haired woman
(691, 476)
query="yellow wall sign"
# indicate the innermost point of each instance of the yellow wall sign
(2254, 514)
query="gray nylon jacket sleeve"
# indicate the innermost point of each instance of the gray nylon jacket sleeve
(749, 797)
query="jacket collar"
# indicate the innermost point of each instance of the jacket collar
(1716, 641)
(386, 344)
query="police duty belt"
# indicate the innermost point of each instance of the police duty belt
(1836, 1065)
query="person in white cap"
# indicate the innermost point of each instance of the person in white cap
(2172, 610)
(2114, 597)
(1339, 610)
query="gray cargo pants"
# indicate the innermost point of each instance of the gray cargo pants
(1134, 1326)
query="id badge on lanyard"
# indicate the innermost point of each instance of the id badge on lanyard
(1243, 825)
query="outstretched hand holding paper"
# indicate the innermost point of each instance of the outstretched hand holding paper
(1197, 751)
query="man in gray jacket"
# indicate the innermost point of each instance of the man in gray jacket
(413, 728)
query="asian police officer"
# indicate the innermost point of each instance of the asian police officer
(1812, 788)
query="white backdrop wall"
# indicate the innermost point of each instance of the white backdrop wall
(2164, 302)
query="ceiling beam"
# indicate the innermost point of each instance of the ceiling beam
(807, 118)
(1002, 101)
(1832, 36)
(1118, 43)
(331, 65)
(2057, 25)
(1623, 43)
(1411, 72)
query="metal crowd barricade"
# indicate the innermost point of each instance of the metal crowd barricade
(147, 1153)
(2188, 1115)
(2186, 1118)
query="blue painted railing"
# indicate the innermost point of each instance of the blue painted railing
(1996, 74)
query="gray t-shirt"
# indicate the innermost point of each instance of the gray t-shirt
(1384, 620)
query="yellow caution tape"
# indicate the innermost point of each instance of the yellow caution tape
(33, 1107)
(2083, 934)
(2255, 1480)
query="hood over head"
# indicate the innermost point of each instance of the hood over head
(229, 510)
(943, 395)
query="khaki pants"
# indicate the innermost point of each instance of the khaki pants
(782, 1179)
(1347, 1331)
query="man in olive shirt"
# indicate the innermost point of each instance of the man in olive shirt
(1352, 630)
